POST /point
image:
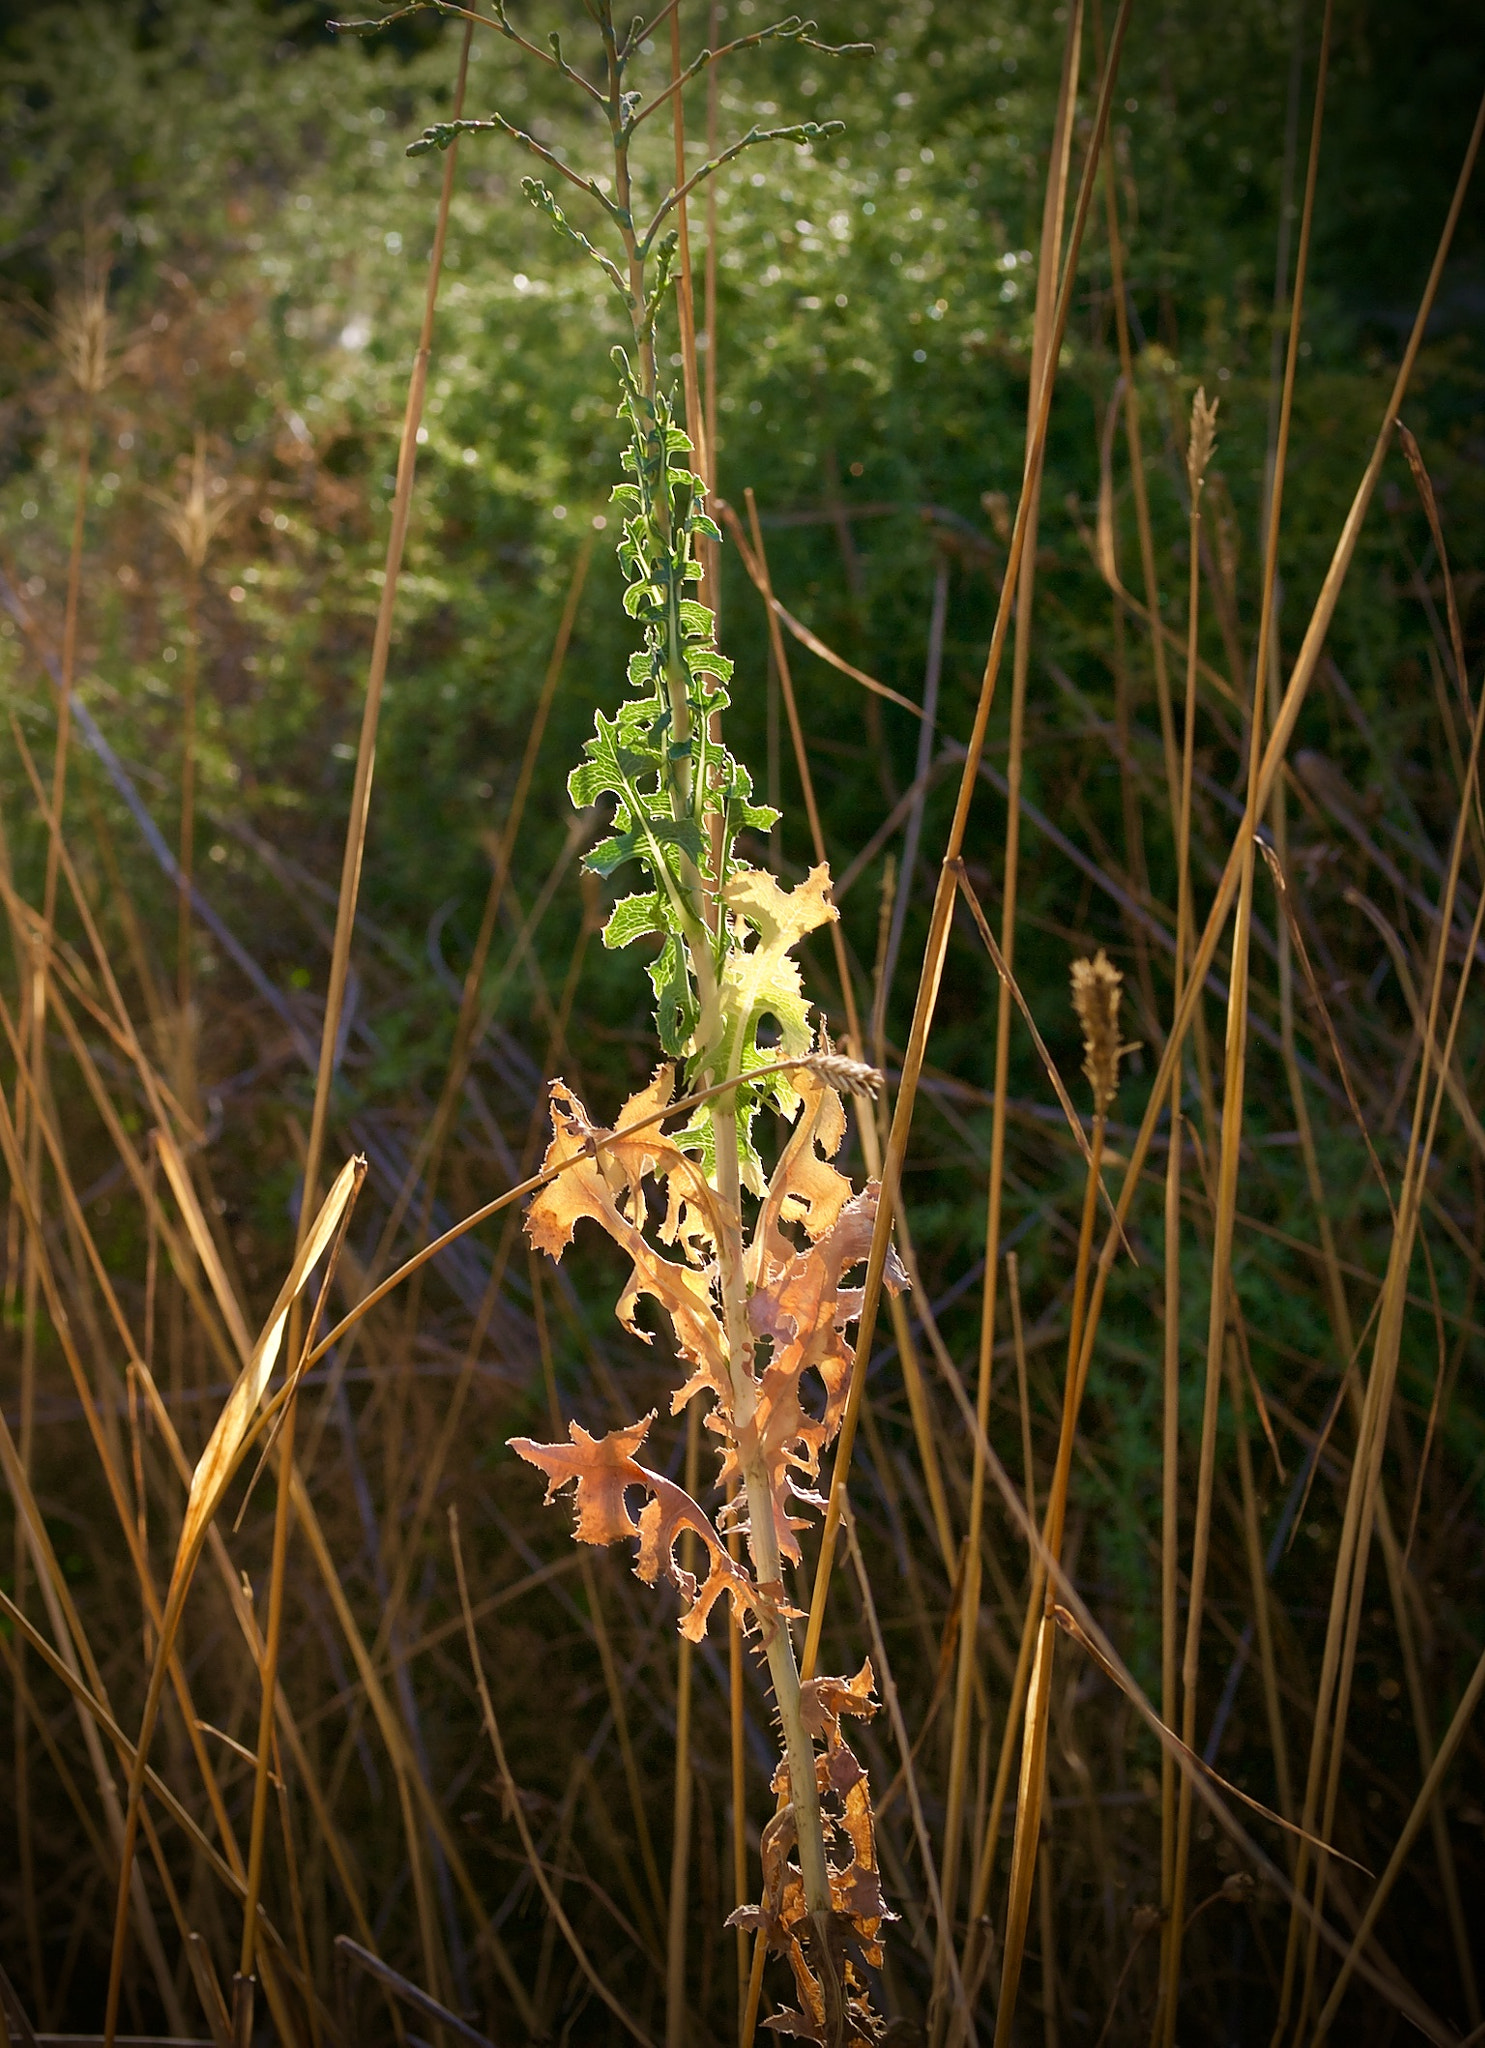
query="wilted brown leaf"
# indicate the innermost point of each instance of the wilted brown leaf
(804, 1187)
(803, 1310)
(584, 1190)
(855, 1886)
(601, 1470)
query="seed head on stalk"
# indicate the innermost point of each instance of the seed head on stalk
(1096, 989)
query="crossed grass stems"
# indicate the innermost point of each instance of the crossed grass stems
(1053, 1603)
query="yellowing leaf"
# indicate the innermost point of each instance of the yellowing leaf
(585, 1190)
(761, 980)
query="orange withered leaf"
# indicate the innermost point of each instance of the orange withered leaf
(601, 1471)
(665, 1518)
(858, 1908)
(803, 1310)
(584, 1189)
(824, 1700)
(603, 1467)
(804, 1188)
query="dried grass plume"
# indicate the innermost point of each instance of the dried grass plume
(83, 329)
(1096, 987)
(1203, 438)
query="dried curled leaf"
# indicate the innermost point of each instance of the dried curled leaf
(802, 1308)
(805, 1188)
(590, 1187)
(601, 1471)
(858, 1909)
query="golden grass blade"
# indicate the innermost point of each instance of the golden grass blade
(82, 331)
(1259, 1588)
(418, 2000)
(1028, 1827)
(758, 574)
(75, 1660)
(228, 1441)
(133, 1534)
(1137, 480)
(1301, 677)
(866, 1125)
(232, 1589)
(698, 427)
(1008, 980)
(1364, 1495)
(204, 1245)
(883, 1669)
(414, 1794)
(214, 1471)
(96, 1720)
(1054, 210)
(1200, 446)
(1027, 1840)
(1070, 1625)
(857, 1043)
(426, 1155)
(677, 2018)
(324, 1236)
(1207, 1784)
(1348, 1347)
(1422, 1806)
(1234, 1077)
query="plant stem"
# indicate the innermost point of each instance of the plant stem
(1170, 1531)
(778, 1645)
(1233, 1084)
(186, 1068)
(936, 947)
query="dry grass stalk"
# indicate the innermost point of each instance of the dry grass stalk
(1049, 276)
(937, 942)
(1096, 985)
(1234, 1073)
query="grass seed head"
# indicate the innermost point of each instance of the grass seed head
(1095, 994)
(1203, 438)
(846, 1076)
(83, 329)
(192, 519)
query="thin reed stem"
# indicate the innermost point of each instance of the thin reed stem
(1027, 1839)
(1054, 208)
(938, 933)
(1234, 1074)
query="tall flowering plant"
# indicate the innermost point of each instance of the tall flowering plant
(750, 1264)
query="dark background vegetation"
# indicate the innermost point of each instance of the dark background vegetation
(244, 173)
